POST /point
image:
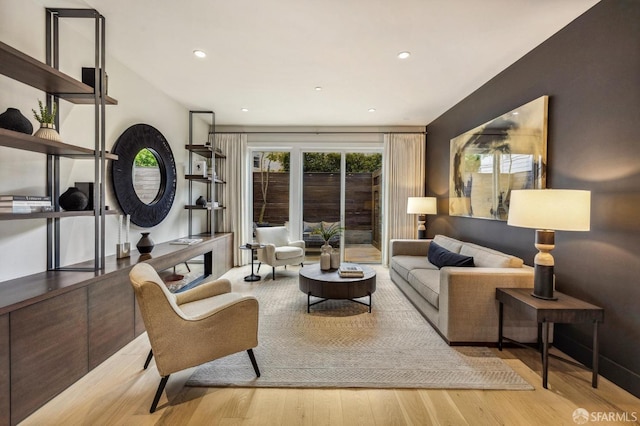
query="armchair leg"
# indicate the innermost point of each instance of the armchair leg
(274, 273)
(163, 383)
(253, 362)
(146, 363)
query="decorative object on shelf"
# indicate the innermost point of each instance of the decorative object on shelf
(335, 259)
(89, 78)
(549, 210)
(87, 189)
(145, 244)
(12, 119)
(73, 199)
(325, 260)
(47, 121)
(201, 201)
(127, 147)
(504, 154)
(422, 206)
(200, 168)
(123, 249)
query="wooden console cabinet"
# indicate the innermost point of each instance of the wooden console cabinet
(56, 326)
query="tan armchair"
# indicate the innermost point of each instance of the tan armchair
(188, 329)
(278, 250)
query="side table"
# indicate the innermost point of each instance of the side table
(253, 248)
(566, 309)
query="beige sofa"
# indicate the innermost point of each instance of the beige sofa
(460, 302)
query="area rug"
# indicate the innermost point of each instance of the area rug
(340, 345)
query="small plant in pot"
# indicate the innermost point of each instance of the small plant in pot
(327, 233)
(47, 121)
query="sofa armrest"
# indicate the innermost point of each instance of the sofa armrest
(408, 247)
(468, 309)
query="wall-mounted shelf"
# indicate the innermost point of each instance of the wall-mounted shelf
(204, 150)
(26, 142)
(51, 215)
(30, 71)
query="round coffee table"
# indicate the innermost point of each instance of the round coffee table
(329, 284)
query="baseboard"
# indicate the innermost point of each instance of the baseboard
(618, 374)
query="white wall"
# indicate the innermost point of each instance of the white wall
(23, 242)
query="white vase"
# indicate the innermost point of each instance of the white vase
(335, 259)
(326, 248)
(325, 261)
(48, 131)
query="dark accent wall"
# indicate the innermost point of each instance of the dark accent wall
(591, 71)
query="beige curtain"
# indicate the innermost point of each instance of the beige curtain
(233, 170)
(404, 175)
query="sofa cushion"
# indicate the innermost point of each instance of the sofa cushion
(427, 283)
(440, 257)
(449, 243)
(487, 258)
(310, 226)
(403, 264)
(288, 252)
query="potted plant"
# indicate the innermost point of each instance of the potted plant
(326, 233)
(47, 121)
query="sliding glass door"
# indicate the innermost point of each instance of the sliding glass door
(343, 189)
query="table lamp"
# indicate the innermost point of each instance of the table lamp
(422, 206)
(548, 210)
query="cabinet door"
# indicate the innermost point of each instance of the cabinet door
(48, 350)
(222, 255)
(111, 318)
(4, 371)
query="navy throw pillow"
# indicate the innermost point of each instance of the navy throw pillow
(440, 256)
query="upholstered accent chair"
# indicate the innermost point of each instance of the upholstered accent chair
(190, 328)
(278, 250)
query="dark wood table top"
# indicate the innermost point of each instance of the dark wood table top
(566, 309)
(313, 272)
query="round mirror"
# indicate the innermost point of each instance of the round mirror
(147, 179)
(147, 202)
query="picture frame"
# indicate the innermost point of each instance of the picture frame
(503, 154)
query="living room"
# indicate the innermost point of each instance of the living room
(589, 71)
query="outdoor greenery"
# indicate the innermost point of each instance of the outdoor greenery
(145, 158)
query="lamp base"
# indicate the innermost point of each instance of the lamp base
(543, 282)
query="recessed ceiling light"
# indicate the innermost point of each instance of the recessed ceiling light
(372, 110)
(199, 53)
(317, 88)
(404, 55)
(245, 110)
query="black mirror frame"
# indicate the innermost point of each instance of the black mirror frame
(130, 142)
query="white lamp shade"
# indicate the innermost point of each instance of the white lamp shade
(553, 209)
(422, 205)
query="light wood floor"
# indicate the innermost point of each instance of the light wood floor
(119, 392)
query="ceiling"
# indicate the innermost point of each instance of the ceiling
(269, 56)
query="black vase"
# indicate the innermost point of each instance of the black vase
(201, 201)
(145, 245)
(12, 119)
(73, 199)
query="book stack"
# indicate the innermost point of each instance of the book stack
(350, 271)
(25, 203)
